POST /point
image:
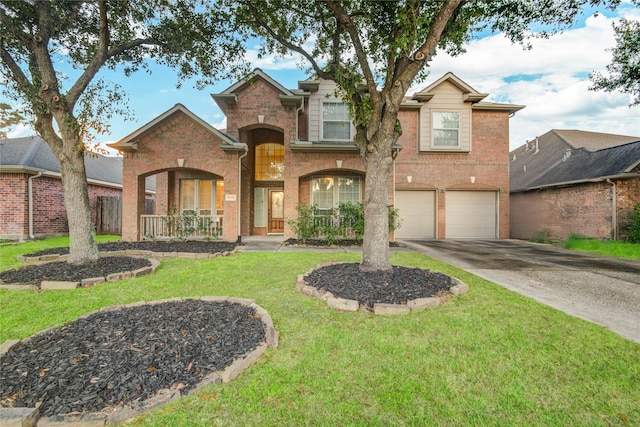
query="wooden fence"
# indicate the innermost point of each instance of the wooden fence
(109, 214)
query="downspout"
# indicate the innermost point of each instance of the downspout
(614, 208)
(298, 111)
(246, 152)
(30, 180)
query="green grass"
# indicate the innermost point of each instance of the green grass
(604, 247)
(490, 357)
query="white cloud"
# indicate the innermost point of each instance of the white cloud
(551, 79)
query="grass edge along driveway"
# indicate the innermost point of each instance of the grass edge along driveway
(489, 357)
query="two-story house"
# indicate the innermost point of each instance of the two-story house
(287, 147)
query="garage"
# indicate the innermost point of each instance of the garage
(471, 215)
(417, 211)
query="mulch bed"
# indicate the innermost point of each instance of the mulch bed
(323, 242)
(400, 285)
(191, 246)
(63, 271)
(120, 357)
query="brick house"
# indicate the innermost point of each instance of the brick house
(572, 181)
(32, 196)
(287, 147)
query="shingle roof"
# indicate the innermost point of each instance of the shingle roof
(566, 156)
(32, 154)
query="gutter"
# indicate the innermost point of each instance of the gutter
(30, 180)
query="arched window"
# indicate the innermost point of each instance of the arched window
(270, 162)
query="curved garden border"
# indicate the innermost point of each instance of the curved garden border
(30, 416)
(152, 256)
(343, 304)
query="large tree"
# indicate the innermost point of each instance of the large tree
(374, 50)
(624, 69)
(52, 52)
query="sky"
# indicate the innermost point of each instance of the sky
(551, 80)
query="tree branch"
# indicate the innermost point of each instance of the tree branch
(285, 42)
(344, 18)
(96, 62)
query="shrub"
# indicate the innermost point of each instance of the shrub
(634, 224)
(306, 226)
(541, 236)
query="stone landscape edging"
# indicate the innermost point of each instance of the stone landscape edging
(30, 416)
(43, 259)
(459, 288)
(84, 283)
(62, 285)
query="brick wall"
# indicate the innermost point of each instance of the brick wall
(584, 209)
(488, 162)
(49, 212)
(628, 195)
(14, 218)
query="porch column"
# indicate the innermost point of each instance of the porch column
(291, 199)
(133, 194)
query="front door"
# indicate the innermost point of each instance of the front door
(276, 211)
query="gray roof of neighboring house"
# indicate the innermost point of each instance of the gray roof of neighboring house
(31, 155)
(562, 157)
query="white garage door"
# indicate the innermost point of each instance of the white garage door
(417, 211)
(471, 215)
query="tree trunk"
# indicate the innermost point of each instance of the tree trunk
(83, 246)
(375, 245)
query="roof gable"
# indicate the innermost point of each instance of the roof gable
(469, 93)
(130, 142)
(550, 160)
(229, 95)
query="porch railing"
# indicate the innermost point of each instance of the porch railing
(173, 227)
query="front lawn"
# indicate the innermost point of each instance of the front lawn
(490, 357)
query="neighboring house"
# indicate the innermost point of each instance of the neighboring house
(572, 181)
(32, 196)
(287, 147)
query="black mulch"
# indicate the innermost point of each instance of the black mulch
(124, 356)
(63, 271)
(399, 286)
(192, 246)
(324, 242)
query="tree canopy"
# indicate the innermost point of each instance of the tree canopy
(624, 69)
(41, 39)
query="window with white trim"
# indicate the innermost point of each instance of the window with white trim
(336, 122)
(199, 195)
(328, 192)
(446, 129)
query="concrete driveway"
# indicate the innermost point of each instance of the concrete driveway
(603, 290)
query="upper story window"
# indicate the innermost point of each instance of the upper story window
(446, 129)
(336, 122)
(270, 162)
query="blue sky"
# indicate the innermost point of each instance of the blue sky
(551, 79)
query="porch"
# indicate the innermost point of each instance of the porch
(163, 227)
